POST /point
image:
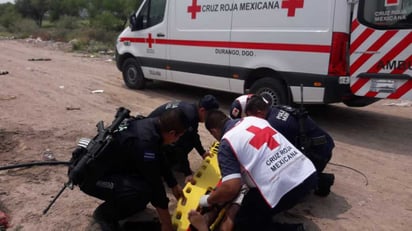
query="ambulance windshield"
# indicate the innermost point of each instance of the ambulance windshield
(386, 14)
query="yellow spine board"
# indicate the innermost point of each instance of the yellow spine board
(206, 178)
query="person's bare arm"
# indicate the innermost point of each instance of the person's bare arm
(165, 219)
(225, 192)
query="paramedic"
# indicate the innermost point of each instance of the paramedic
(133, 170)
(313, 141)
(238, 106)
(195, 112)
(252, 152)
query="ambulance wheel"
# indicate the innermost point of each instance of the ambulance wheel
(133, 75)
(272, 89)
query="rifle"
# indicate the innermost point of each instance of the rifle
(95, 147)
(303, 140)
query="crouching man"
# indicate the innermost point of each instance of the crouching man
(254, 153)
(130, 172)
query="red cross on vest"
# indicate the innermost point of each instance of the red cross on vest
(150, 40)
(292, 5)
(263, 136)
(194, 8)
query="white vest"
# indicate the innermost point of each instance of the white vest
(273, 164)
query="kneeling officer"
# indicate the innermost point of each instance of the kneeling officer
(130, 172)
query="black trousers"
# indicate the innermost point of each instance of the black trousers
(256, 214)
(123, 195)
(178, 157)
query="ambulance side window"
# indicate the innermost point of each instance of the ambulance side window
(152, 13)
(386, 14)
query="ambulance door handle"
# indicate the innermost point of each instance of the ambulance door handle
(160, 35)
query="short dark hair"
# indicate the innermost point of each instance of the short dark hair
(173, 119)
(256, 103)
(215, 119)
(209, 102)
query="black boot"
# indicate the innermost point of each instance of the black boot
(104, 218)
(325, 181)
(286, 227)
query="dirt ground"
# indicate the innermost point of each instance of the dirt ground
(50, 105)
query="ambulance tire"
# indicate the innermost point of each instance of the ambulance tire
(132, 74)
(272, 89)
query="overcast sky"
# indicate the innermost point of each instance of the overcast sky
(4, 1)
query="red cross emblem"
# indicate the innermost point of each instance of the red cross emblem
(193, 9)
(391, 2)
(263, 136)
(150, 40)
(292, 5)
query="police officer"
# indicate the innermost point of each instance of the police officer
(131, 170)
(252, 152)
(195, 112)
(301, 131)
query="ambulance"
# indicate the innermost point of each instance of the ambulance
(315, 51)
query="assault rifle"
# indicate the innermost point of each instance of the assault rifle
(305, 142)
(94, 148)
(301, 114)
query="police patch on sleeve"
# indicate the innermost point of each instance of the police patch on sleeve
(235, 112)
(149, 156)
(282, 115)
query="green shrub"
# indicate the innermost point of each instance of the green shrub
(107, 21)
(23, 28)
(67, 22)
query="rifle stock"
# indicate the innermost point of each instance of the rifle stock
(96, 146)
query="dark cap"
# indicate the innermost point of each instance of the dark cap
(209, 102)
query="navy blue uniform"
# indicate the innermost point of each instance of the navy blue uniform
(130, 173)
(189, 140)
(283, 119)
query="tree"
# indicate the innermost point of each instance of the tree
(34, 9)
(8, 15)
(119, 9)
(60, 8)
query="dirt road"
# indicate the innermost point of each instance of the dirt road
(50, 105)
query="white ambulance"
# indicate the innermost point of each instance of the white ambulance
(351, 51)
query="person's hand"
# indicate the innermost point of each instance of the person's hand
(203, 201)
(4, 220)
(188, 179)
(177, 191)
(206, 154)
(197, 220)
(167, 227)
(165, 219)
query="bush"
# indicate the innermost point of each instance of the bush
(67, 22)
(8, 17)
(107, 21)
(23, 28)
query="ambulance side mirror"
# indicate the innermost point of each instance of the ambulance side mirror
(138, 23)
(133, 22)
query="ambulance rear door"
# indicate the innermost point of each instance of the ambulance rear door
(381, 50)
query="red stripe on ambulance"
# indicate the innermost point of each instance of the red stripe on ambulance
(373, 48)
(405, 87)
(238, 45)
(401, 90)
(398, 48)
(355, 25)
(405, 42)
(359, 41)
